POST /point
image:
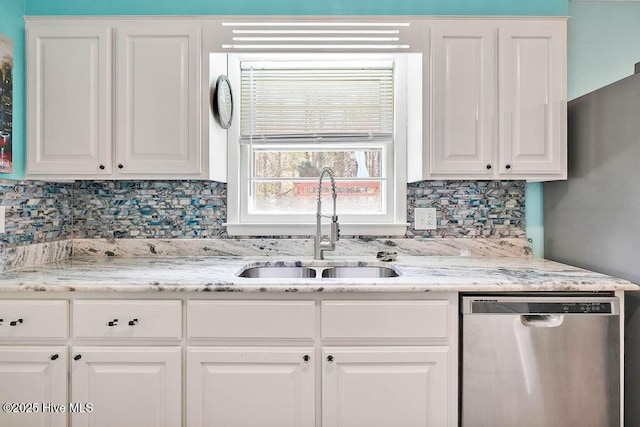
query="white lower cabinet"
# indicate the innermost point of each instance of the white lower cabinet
(127, 386)
(33, 383)
(385, 386)
(317, 361)
(250, 386)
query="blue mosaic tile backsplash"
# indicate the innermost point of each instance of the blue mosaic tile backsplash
(470, 208)
(35, 212)
(149, 209)
(44, 211)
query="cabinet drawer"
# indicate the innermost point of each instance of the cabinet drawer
(127, 319)
(385, 319)
(251, 319)
(34, 319)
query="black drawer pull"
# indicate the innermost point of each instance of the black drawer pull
(16, 322)
(133, 322)
(54, 357)
(77, 357)
(113, 322)
(306, 358)
(330, 358)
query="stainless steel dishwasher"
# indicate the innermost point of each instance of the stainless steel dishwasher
(540, 361)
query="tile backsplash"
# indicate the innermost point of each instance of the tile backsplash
(470, 208)
(149, 209)
(36, 212)
(39, 212)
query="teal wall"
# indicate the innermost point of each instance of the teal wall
(300, 7)
(604, 43)
(534, 216)
(12, 26)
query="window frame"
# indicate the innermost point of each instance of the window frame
(240, 222)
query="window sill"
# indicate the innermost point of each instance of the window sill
(309, 229)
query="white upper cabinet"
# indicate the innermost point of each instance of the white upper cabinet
(69, 100)
(152, 84)
(498, 105)
(157, 99)
(533, 107)
(125, 98)
(464, 98)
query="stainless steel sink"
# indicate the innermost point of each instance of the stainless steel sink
(278, 272)
(358, 272)
(318, 271)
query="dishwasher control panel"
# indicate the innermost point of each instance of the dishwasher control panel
(540, 306)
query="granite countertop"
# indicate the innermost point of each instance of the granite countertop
(219, 274)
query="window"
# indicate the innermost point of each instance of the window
(299, 113)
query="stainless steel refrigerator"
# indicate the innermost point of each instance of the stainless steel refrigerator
(592, 220)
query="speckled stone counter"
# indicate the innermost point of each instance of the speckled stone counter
(220, 274)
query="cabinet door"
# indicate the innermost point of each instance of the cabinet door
(68, 100)
(157, 99)
(34, 375)
(533, 99)
(127, 386)
(250, 386)
(464, 98)
(385, 386)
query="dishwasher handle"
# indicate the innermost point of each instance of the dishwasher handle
(542, 320)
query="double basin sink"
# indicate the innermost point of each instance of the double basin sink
(314, 271)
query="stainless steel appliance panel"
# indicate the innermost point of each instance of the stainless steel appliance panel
(545, 362)
(603, 156)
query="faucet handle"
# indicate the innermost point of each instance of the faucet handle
(335, 230)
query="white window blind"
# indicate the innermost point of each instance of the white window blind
(316, 102)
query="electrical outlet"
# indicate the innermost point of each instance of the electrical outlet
(426, 219)
(1, 219)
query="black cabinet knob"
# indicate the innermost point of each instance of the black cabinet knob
(489, 166)
(133, 322)
(77, 357)
(120, 166)
(16, 322)
(508, 166)
(306, 358)
(113, 322)
(330, 358)
(101, 167)
(54, 357)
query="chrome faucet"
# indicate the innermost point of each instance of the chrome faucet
(326, 243)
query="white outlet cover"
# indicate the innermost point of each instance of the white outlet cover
(425, 219)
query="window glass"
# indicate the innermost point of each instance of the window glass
(288, 180)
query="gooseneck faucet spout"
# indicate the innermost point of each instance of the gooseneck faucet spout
(326, 243)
